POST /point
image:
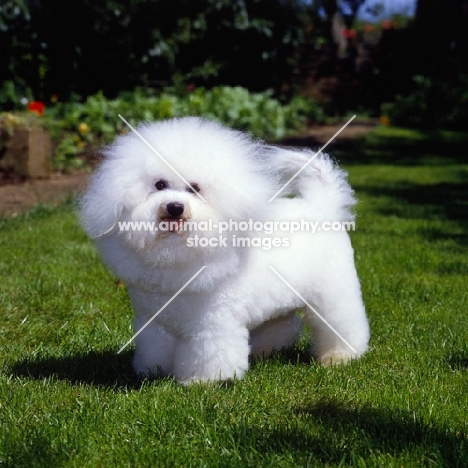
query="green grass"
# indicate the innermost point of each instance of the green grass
(67, 398)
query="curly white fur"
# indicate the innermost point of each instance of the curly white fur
(236, 306)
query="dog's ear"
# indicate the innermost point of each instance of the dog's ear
(99, 208)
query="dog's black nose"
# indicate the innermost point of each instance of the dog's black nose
(175, 209)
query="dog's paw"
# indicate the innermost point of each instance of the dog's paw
(210, 376)
(335, 356)
(208, 381)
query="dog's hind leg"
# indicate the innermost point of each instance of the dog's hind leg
(339, 326)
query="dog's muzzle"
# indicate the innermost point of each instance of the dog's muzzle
(174, 214)
(175, 209)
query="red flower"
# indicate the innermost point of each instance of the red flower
(349, 33)
(388, 24)
(190, 87)
(36, 107)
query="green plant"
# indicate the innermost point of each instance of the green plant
(80, 126)
(13, 94)
(437, 103)
(210, 42)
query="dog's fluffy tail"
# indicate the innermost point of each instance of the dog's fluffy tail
(321, 184)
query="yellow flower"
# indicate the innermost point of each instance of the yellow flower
(83, 128)
(80, 144)
(384, 120)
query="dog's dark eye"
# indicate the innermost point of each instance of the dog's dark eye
(161, 185)
(194, 188)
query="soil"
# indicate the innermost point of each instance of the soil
(18, 195)
(24, 195)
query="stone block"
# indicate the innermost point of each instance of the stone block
(28, 153)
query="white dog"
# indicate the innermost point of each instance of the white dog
(237, 305)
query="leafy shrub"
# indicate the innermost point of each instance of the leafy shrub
(12, 94)
(78, 126)
(110, 45)
(433, 103)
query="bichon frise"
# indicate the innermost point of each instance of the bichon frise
(183, 194)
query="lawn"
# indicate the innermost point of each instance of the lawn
(67, 399)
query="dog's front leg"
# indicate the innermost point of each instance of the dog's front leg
(154, 351)
(216, 353)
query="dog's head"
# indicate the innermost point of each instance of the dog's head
(176, 174)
